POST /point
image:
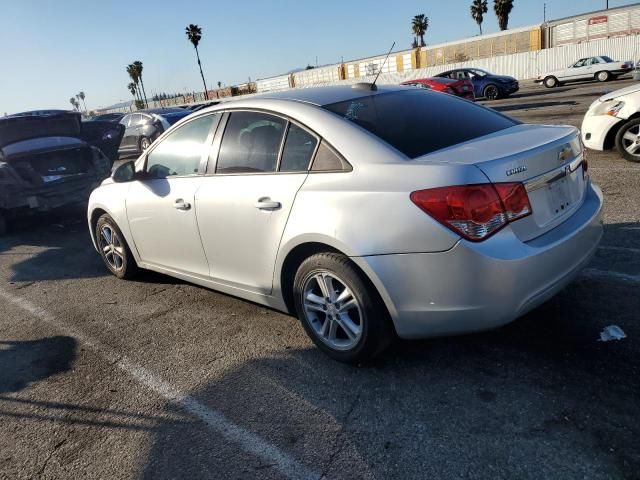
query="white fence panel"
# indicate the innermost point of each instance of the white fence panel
(273, 84)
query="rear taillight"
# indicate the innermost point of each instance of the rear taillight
(475, 211)
(449, 90)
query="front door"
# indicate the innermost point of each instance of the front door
(243, 208)
(161, 206)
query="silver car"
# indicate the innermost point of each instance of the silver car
(368, 212)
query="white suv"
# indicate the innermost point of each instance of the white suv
(614, 120)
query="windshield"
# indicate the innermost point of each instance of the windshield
(418, 122)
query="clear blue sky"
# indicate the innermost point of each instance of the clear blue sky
(52, 49)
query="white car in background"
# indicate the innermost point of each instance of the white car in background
(614, 120)
(600, 68)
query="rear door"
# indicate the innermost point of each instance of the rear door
(244, 201)
(125, 144)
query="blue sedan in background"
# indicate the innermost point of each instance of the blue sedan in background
(485, 84)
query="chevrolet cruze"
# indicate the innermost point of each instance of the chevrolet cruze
(367, 212)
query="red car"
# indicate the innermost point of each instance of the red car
(461, 88)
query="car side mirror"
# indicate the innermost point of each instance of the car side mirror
(127, 173)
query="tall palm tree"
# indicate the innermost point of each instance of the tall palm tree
(219, 84)
(74, 102)
(419, 26)
(137, 65)
(82, 96)
(194, 34)
(478, 9)
(133, 74)
(503, 9)
(133, 89)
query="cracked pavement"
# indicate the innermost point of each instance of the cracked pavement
(540, 398)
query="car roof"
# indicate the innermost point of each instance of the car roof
(321, 96)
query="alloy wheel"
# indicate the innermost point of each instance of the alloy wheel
(631, 140)
(144, 144)
(332, 310)
(112, 247)
(492, 93)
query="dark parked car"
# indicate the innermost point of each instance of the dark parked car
(144, 126)
(51, 158)
(485, 84)
(108, 117)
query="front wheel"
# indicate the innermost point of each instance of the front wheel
(341, 313)
(628, 140)
(603, 76)
(144, 144)
(113, 248)
(492, 92)
(551, 82)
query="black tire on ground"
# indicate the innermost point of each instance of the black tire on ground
(377, 331)
(603, 76)
(491, 92)
(124, 266)
(550, 82)
(631, 128)
(144, 143)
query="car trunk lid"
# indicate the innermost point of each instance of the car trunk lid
(548, 160)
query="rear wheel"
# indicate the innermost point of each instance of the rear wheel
(551, 82)
(492, 92)
(113, 248)
(144, 143)
(341, 313)
(603, 76)
(628, 140)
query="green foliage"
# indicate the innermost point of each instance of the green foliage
(503, 8)
(419, 26)
(478, 9)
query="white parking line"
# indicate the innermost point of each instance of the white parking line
(625, 277)
(216, 421)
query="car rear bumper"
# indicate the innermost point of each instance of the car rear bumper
(478, 286)
(595, 129)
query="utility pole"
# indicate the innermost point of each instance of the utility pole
(607, 4)
(544, 14)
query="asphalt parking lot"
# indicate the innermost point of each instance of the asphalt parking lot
(155, 378)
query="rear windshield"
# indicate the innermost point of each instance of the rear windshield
(418, 122)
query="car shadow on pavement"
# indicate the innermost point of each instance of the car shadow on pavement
(51, 247)
(539, 398)
(25, 362)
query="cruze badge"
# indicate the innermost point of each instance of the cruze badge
(513, 171)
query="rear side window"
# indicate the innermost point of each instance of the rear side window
(180, 152)
(251, 143)
(298, 150)
(327, 160)
(418, 122)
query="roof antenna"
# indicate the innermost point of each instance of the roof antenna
(372, 86)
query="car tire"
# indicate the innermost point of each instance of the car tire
(144, 144)
(339, 309)
(550, 82)
(603, 76)
(113, 248)
(491, 92)
(625, 143)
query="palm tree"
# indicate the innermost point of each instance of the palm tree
(133, 74)
(478, 9)
(137, 65)
(503, 9)
(219, 84)
(194, 34)
(82, 96)
(74, 102)
(133, 89)
(419, 26)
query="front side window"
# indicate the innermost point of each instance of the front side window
(298, 150)
(580, 63)
(418, 122)
(180, 152)
(251, 143)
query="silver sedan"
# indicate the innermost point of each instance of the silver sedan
(367, 212)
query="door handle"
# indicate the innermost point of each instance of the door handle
(180, 204)
(265, 203)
